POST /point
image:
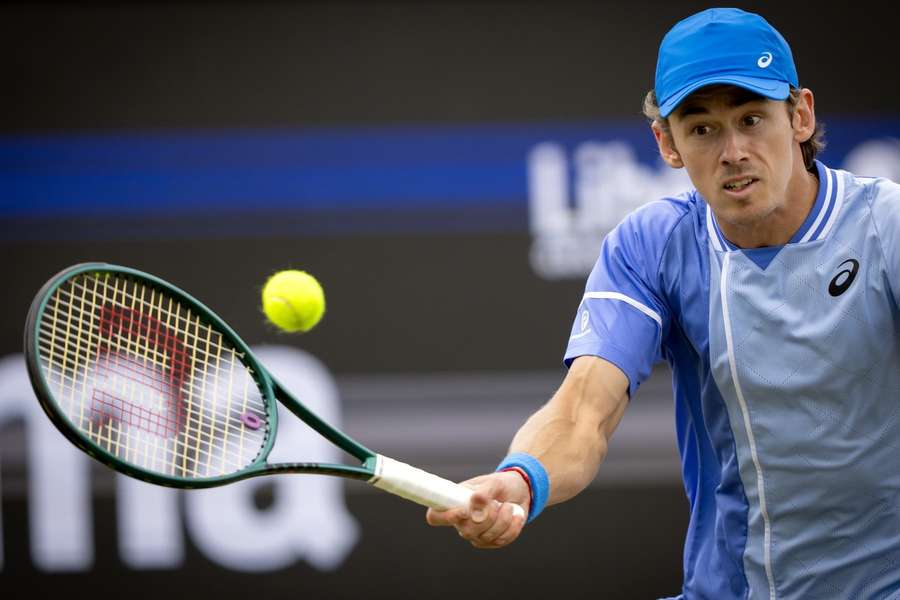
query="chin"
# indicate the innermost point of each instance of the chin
(741, 212)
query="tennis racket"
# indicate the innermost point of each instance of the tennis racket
(150, 382)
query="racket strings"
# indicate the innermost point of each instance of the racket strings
(70, 363)
(69, 360)
(168, 310)
(192, 420)
(69, 300)
(149, 381)
(132, 330)
(131, 445)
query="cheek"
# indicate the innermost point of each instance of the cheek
(779, 158)
(779, 141)
(702, 172)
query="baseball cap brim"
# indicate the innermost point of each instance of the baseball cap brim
(770, 88)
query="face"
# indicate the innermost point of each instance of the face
(742, 151)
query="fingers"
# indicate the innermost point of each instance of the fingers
(482, 505)
(445, 518)
(516, 524)
(453, 516)
(491, 525)
(487, 522)
(505, 528)
(483, 514)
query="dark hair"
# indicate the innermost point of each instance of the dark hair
(810, 148)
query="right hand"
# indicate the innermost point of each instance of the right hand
(488, 521)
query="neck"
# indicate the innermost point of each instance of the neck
(779, 226)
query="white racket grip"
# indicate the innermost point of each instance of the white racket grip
(422, 487)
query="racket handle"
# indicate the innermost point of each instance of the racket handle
(422, 487)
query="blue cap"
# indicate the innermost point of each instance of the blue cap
(723, 46)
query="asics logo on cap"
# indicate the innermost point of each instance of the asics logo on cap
(765, 60)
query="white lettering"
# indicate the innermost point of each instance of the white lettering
(308, 520)
(609, 183)
(149, 525)
(548, 183)
(59, 498)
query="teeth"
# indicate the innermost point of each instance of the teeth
(739, 184)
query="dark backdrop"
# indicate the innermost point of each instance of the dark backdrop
(402, 304)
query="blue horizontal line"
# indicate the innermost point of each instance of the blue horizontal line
(317, 169)
(484, 218)
(227, 173)
(352, 186)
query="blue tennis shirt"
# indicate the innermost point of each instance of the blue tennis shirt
(786, 381)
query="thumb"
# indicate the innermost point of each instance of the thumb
(478, 506)
(485, 494)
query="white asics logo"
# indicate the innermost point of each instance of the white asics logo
(585, 326)
(765, 60)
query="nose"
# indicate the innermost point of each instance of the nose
(734, 148)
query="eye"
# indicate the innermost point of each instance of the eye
(751, 120)
(700, 130)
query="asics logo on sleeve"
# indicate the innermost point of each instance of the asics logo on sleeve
(765, 60)
(844, 278)
(585, 326)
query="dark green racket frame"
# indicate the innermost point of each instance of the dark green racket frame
(269, 388)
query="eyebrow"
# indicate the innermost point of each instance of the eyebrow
(694, 107)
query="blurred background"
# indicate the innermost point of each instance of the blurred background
(448, 172)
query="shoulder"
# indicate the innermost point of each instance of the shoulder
(875, 200)
(657, 219)
(872, 190)
(651, 226)
(637, 248)
(881, 191)
(883, 197)
(879, 195)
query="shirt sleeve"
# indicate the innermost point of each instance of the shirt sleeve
(885, 206)
(622, 316)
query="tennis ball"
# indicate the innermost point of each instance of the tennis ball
(293, 301)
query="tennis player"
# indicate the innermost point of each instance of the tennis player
(772, 290)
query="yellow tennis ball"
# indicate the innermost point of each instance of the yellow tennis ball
(293, 300)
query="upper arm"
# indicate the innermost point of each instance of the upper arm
(595, 392)
(623, 315)
(570, 434)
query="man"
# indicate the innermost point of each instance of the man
(772, 289)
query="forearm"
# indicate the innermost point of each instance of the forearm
(570, 434)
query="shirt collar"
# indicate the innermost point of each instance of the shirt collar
(817, 223)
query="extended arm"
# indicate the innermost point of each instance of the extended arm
(569, 435)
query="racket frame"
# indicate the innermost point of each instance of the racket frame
(271, 391)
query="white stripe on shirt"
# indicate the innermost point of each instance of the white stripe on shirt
(617, 296)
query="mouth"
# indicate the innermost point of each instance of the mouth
(739, 185)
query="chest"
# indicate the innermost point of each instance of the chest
(815, 313)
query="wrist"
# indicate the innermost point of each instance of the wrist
(535, 476)
(523, 476)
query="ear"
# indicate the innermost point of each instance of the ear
(666, 145)
(803, 121)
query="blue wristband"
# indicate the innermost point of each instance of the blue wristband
(537, 475)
